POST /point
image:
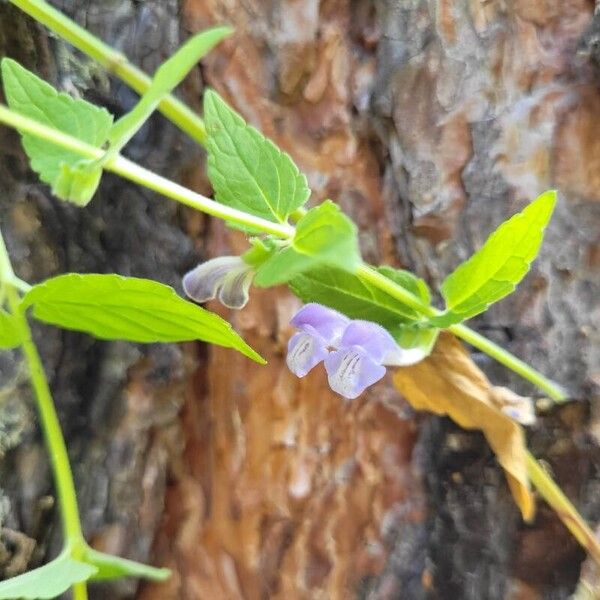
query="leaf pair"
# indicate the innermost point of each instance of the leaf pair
(112, 307)
(71, 177)
(59, 575)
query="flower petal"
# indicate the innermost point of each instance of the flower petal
(304, 352)
(372, 338)
(234, 290)
(328, 323)
(403, 357)
(351, 371)
(203, 282)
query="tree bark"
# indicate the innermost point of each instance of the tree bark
(430, 123)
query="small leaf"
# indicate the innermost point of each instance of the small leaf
(32, 97)
(449, 383)
(111, 567)
(49, 581)
(167, 77)
(9, 332)
(351, 296)
(499, 265)
(323, 235)
(112, 307)
(248, 171)
(261, 250)
(77, 183)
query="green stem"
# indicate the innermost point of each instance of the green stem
(179, 193)
(80, 591)
(144, 177)
(114, 62)
(563, 507)
(370, 275)
(51, 428)
(193, 125)
(47, 412)
(55, 442)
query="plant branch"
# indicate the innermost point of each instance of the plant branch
(144, 177)
(370, 275)
(179, 193)
(114, 62)
(57, 449)
(563, 507)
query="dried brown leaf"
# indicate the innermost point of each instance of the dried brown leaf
(449, 383)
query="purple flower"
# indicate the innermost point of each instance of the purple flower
(226, 277)
(320, 328)
(355, 352)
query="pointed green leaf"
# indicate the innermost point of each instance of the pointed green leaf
(246, 169)
(167, 77)
(348, 294)
(111, 567)
(498, 266)
(127, 308)
(9, 332)
(32, 97)
(49, 581)
(324, 235)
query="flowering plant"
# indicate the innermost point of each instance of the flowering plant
(358, 319)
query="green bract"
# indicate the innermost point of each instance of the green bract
(29, 95)
(112, 307)
(324, 235)
(499, 265)
(248, 171)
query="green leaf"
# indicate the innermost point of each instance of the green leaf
(261, 250)
(77, 183)
(111, 567)
(408, 281)
(324, 235)
(112, 307)
(351, 296)
(9, 332)
(32, 97)
(48, 581)
(248, 171)
(498, 266)
(167, 77)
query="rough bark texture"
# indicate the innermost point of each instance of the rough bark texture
(429, 122)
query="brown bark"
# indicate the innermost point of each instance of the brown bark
(430, 123)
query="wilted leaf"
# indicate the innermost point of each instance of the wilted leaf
(449, 383)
